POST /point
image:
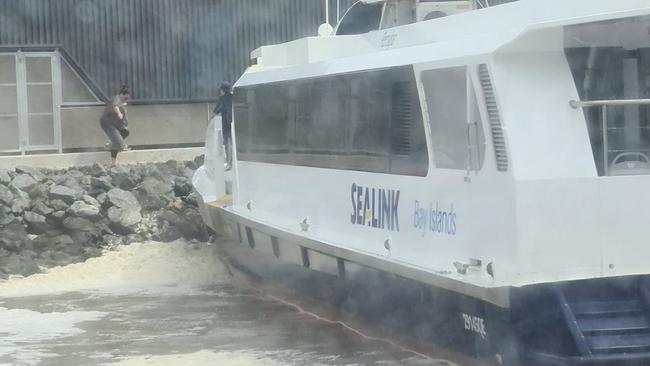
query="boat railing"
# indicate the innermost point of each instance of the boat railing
(604, 105)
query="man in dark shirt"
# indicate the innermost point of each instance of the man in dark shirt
(113, 122)
(224, 108)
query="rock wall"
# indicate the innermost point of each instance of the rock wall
(56, 217)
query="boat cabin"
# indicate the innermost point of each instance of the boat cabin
(368, 15)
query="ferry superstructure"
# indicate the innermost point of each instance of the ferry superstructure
(477, 180)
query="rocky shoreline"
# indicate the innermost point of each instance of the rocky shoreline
(56, 217)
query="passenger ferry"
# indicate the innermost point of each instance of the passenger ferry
(479, 181)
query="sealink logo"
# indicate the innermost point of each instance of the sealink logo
(435, 220)
(375, 207)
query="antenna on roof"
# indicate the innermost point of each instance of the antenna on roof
(326, 29)
(327, 12)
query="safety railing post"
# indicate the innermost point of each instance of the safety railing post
(605, 141)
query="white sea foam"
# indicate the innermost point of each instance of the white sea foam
(136, 267)
(25, 331)
(207, 358)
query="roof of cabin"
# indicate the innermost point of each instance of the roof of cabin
(493, 27)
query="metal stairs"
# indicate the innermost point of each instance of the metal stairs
(607, 321)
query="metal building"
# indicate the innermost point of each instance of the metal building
(60, 59)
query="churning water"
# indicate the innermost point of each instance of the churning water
(169, 304)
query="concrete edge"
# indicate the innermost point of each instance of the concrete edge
(67, 160)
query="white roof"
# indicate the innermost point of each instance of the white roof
(466, 34)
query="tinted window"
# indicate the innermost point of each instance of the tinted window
(368, 121)
(476, 134)
(273, 136)
(446, 94)
(361, 18)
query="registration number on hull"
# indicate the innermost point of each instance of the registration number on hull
(475, 324)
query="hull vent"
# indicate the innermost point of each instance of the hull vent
(498, 137)
(402, 114)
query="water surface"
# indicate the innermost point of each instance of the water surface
(169, 304)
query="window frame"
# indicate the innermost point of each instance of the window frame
(372, 90)
(474, 117)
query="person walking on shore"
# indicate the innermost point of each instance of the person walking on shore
(114, 123)
(224, 108)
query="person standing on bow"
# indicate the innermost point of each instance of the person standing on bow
(114, 123)
(224, 108)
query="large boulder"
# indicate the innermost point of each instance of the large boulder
(45, 241)
(171, 167)
(190, 164)
(183, 220)
(18, 264)
(23, 182)
(82, 209)
(85, 182)
(101, 183)
(149, 171)
(12, 237)
(52, 258)
(56, 218)
(5, 176)
(199, 160)
(168, 232)
(40, 191)
(71, 179)
(124, 178)
(182, 187)
(62, 240)
(6, 197)
(18, 193)
(118, 173)
(58, 205)
(37, 224)
(123, 220)
(78, 224)
(6, 217)
(42, 209)
(102, 198)
(122, 199)
(90, 200)
(155, 194)
(97, 170)
(33, 172)
(80, 239)
(188, 173)
(21, 205)
(63, 193)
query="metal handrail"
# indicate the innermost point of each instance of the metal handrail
(575, 104)
(604, 104)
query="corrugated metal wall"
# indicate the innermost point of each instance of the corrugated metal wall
(343, 6)
(164, 49)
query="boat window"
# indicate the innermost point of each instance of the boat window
(369, 121)
(274, 135)
(611, 61)
(242, 100)
(321, 115)
(361, 18)
(477, 142)
(368, 116)
(446, 94)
